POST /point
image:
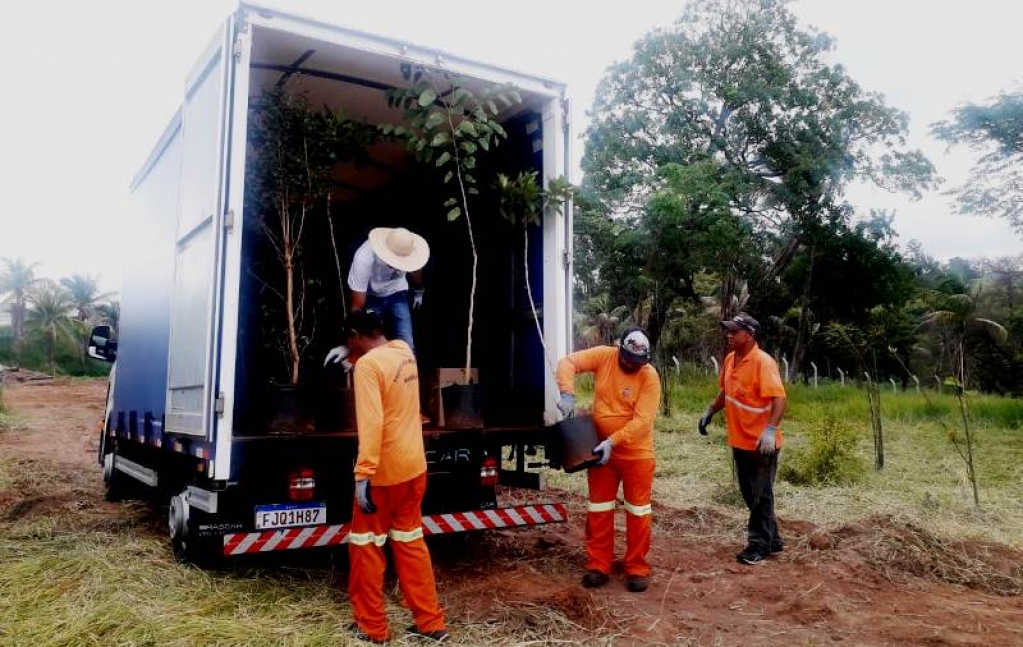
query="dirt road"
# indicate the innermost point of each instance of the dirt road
(873, 583)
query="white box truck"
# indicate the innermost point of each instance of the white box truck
(186, 417)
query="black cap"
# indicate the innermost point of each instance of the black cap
(742, 321)
(364, 322)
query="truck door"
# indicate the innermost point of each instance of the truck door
(200, 237)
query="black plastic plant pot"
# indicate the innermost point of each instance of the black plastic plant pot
(335, 408)
(463, 406)
(576, 438)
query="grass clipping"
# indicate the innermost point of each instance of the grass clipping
(907, 548)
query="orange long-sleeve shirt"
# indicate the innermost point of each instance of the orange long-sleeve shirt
(387, 415)
(624, 404)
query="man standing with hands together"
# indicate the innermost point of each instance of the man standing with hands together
(753, 397)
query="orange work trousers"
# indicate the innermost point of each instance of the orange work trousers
(398, 518)
(637, 479)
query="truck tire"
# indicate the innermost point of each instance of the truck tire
(187, 546)
(117, 484)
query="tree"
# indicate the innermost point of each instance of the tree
(740, 94)
(995, 130)
(84, 293)
(110, 314)
(960, 318)
(16, 281)
(51, 311)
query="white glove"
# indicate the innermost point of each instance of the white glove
(766, 442)
(362, 497)
(566, 405)
(604, 451)
(417, 298)
(338, 354)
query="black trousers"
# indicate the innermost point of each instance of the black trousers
(756, 474)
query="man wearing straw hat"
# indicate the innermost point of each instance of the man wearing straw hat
(626, 393)
(379, 280)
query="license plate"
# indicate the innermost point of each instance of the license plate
(290, 515)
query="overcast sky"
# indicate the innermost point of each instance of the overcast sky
(91, 85)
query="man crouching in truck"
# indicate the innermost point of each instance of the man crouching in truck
(626, 394)
(390, 480)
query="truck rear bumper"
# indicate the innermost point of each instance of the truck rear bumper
(240, 543)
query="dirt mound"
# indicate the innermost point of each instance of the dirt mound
(10, 375)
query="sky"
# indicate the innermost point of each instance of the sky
(91, 85)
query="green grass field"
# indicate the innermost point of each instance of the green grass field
(923, 481)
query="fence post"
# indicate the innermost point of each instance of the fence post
(895, 388)
(678, 366)
(717, 368)
(814, 365)
(916, 381)
(785, 361)
(841, 375)
(937, 381)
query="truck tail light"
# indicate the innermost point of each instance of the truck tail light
(488, 472)
(301, 484)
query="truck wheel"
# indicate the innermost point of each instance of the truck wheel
(187, 546)
(117, 484)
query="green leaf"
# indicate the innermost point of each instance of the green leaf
(444, 158)
(427, 97)
(461, 95)
(400, 130)
(484, 142)
(492, 106)
(467, 128)
(448, 176)
(450, 202)
(498, 128)
(435, 119)
(387, 129)
(469, 161)
(454, 213)
(473, 190)
(440, 139)
(469, 147)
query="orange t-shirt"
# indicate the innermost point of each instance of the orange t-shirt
(624, 404)
(387, 414)
(749, 387)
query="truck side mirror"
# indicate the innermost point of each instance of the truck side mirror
(100, 345)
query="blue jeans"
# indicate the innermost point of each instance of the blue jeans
(397, 316)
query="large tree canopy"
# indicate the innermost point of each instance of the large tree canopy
(995, 129)
(741, 84)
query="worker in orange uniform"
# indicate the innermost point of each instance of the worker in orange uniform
(753, 397)
(627, 392)
(390, 481)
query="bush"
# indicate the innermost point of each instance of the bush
(825, 457)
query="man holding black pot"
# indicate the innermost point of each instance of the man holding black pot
(626, 395)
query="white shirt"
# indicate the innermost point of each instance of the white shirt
(371, 275)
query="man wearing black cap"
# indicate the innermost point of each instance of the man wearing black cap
(626, 393)
(753, 397)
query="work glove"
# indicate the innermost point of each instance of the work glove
(766, 443)
(338, 354)
(417, 298)
(604, 451)
(362, 497)
(566, 405)
(704, 421)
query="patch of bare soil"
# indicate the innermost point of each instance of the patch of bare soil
(876, 582)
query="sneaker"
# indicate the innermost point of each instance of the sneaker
(593, 579)
(439, 636)
(359, 634)
(637, 584)
(752, 555)
(777, 547)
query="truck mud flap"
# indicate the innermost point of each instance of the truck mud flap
(241, 543)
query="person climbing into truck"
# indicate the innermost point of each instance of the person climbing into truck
(627, 392)
(390, 481)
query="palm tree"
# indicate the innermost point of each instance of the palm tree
(110, 314)
(959, 319)
(51, 312)
(16, 280)
(84, 294)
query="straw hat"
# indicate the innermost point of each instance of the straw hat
(400, 248)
